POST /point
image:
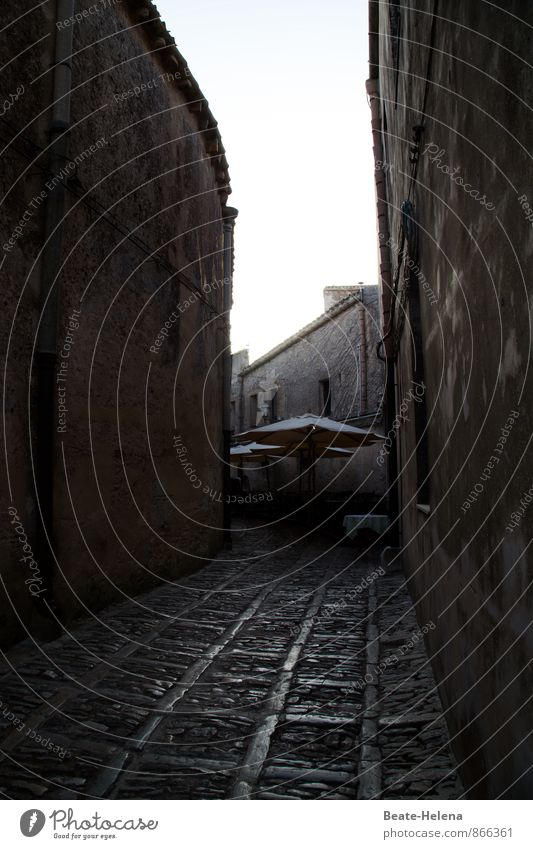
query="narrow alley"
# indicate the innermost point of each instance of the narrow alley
(291, 667)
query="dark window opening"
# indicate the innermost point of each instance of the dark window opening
(325, 397)
(253, 410)
(273, 410)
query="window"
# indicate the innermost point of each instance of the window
(325, 398)
(273, 409)
(253, 410)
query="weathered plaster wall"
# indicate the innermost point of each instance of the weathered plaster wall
(239, 361)
(20, 184)
(126, 513)
(470, 574)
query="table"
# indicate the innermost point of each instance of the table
(355, 522)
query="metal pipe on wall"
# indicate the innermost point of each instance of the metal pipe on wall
(230, 215)
(363, 364)
(46, 351)
(385, 268)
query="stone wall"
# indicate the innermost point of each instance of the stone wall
(141, 287)
(339, 347)
(469, 568)
(239, 362)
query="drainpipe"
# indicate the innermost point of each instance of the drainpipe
(46, 353)
(385, 268)
(363, 364)
(372, 88)
(241, 403)
(230, 215)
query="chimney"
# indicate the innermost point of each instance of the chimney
(240, 360)
(334, 294)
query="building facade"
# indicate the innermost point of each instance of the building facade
(328, 368)
(447, 89)
(116, 264)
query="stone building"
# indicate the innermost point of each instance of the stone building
(447, 87)
(327, 368)
(116, 267)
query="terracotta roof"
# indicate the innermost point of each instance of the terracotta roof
(162, 47)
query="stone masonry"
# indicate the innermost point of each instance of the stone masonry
(255, 678)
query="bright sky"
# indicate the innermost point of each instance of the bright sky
(285, 80)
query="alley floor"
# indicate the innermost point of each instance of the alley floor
(288, 668)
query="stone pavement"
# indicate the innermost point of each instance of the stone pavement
(278, 671)
(412, 755)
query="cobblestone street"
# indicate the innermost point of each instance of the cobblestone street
(283, 669)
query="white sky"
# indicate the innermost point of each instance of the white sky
(285, 80)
